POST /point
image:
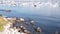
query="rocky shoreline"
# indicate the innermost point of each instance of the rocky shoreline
(20, 26)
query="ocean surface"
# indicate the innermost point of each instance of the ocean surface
(48, 18)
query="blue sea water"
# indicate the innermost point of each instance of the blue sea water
(48, 18)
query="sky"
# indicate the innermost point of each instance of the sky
(39, 0)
